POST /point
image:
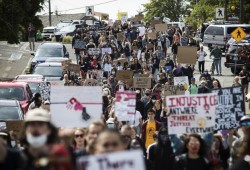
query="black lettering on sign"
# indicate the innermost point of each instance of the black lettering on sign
(230, 107)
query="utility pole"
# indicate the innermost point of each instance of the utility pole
(241, 11)
(49, 13)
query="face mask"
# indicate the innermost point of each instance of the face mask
(113, 72)
(36, 141)
(111, 125)
(13, 143)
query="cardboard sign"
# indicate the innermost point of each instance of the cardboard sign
(126, 160)
(75, 106)
(142, 82)
(154, 22)
(183, 80)
(139, 17)
(124, 75)
(106, 50)
(15, 125)
(65, 64)
(121, 60)
(150, 46)
(171, 90)
(230, 107)
(90, 82)
(125, 105)
(120, 37)
(191, 113)
(187, 55)
(152, 35)
(161, 27)
(93, 51)
(74, 68)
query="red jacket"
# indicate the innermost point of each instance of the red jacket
(143, 129)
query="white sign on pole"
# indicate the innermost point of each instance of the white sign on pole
(75, 106)
(220, 12)
(191, 113)
(125, 105)
(126, 160)
(89, 10)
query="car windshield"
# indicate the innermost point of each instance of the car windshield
(49, 71)
(49, 52)
(70, 28)
(9, 113)
(16, 93)
(34, 87)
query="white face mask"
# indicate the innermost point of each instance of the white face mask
(36, 141)
(13, 143)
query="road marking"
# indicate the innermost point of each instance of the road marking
(23, 72)
(15, 56)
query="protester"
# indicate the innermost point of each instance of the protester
(201, 59)
(37, 101)
(79, 142)
(193, 88)
(244, 76)
(203, 88)
(217, 53)
(31, 36)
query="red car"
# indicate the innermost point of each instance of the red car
(16, 91)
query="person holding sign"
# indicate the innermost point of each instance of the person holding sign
(149, 127)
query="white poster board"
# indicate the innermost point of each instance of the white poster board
(125, 105)
(126, 160)
(191, 113)
(142, 31)
(75, 106)
(106, 50)
(107, 67)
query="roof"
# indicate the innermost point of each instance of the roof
(49, 27)
(51, 44)
(29, 76)
(50, 64)
(13, 84)
(8, 102)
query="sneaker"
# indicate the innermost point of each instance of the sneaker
(220, 74)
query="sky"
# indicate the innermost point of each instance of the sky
(112, 7)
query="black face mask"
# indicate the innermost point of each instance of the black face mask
(147, 94)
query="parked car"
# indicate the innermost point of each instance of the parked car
(16, 91)
(66, 31)
(236, 59)
(63, 23)
(220, 34)
(34, 80)
(52, 71)
(48, 33)
(45, 51)
(10, 110)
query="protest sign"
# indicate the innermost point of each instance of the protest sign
(152, 35)
(154, 22)
(94, 51)
(191, 113)
(117, 22)
(230, 107)
(187, 55)
(65, 64)
(170, 90)
(124, 75)
(75, 106)
(142, 82)
(121, 60)
(150, 46)
(44, 90)
(95, 74)
(161, 27)
(74, 68)
(120, 37)
(90, 82)
(106, 50)
(183, 80)
(125, 105)
(139, 17)
(89, 22)
(142, 31)
(15, 125)
(125, 160)
(107, 67)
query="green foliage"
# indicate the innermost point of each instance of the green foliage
(165, 8)
(15, 17)
(67, 39)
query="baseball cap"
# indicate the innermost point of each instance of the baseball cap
(37, 115)
(245, 121)
(192, 79)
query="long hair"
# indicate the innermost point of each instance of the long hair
(244, 148)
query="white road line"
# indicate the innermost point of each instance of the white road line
(23, 72)
(15, 56)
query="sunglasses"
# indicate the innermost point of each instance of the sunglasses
(80, 135)
(110, 144)
(245, 124)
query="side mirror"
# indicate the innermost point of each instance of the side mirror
(67, 54)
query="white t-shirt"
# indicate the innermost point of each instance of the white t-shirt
(201, 55)
(135, 119)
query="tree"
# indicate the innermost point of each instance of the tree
(15, 16)
(165, 8)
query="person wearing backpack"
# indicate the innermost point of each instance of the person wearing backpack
(193, 88)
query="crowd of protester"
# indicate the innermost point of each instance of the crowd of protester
(41, 145)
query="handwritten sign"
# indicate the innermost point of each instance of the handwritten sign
(161, 27)
(106, 50)
(192, 113)
(125, 105)
(65, 64)
(170, 90)
(154, 22)
(230, 107)
(152, 35)
(142, 82)
(183, 80)
(124, 75)
(121, 60)
(126, 160)
(150, 46)
(90, 82)
(187, 55)
(94, 51)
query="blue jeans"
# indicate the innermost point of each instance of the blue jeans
(217, 64)
(78, 58)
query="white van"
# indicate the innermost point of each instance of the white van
(220, 34)
(181, 25)
(48, 32)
